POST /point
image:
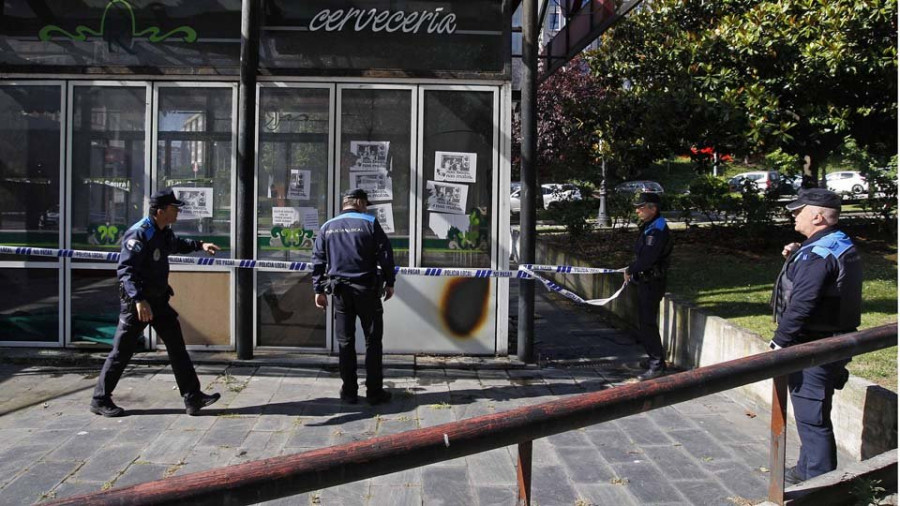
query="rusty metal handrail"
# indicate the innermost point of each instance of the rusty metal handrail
(283, 476)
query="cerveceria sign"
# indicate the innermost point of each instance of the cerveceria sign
(375, 20)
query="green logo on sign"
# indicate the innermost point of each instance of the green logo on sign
(118, 26)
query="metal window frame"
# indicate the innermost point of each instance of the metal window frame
(153, 186)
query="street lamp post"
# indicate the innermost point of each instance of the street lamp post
(602, 217)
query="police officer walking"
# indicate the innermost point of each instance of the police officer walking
(818, 294)
(143, 273)
(648, 271)
(347, 255)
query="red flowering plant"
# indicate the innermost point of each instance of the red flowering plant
(706, 158)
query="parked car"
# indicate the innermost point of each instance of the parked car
(551, 193)
(765, 180)
(49, 219)
(639, 186)
(847, 181)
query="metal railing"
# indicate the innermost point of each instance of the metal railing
(276, 477)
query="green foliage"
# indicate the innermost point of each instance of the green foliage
(573, 215)
(709, 196)
(866, 491)
(473, 239)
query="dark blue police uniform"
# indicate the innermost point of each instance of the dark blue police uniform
(143, 273)
(346, 256)
(818, 294)
(652, 249)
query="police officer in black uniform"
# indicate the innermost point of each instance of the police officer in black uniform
(144, 291)
(347, 255)
(818, 294)
(648, 271)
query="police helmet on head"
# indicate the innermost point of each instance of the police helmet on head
(645, 198)
(815, 197)
(164, 198)
(358, 194)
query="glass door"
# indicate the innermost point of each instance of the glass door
(31, 158)
(108, 167)
(195, 135)
(294, 165)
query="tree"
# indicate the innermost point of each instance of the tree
(756, 76)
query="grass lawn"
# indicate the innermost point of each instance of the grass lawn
(730, 274)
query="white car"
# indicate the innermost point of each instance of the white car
(550, 193)
(847, 181)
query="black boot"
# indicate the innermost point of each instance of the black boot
(106, 408)
(194, 403)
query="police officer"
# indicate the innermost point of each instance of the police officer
(144, 291)
(818, 294)
(648, 271)
(347, 255)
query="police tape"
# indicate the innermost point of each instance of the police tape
(525, 270)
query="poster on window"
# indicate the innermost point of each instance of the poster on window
(377, 184)
(441, 223)
(455, 167)
(447, 197)
(306, 217)
(198, 202)
(298, 186)
(370, 155)
(384, 213)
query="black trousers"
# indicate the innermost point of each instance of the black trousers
(165, 323)
(650, 293)
(350, 302)
(811, 393)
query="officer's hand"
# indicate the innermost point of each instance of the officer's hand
(789, 249)
(627, 278)
(388, 292)
(210, 248)
(321, 301)
(144, 313)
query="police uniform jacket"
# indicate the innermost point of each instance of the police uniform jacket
(819, 290)
(652, 251)
(143, 269)
(351, 247)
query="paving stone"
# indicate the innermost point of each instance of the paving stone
(496, 467)
(700, 444)
(497, 495)
(382, 495)
(543, 454)
(82, 446)
(603, 494)
(228, 431)
(742, 481)
(445, 485)
(570, 439)
(72, 488)
(141, 472)
(668, 418)
(351, 494)
(289, 501)
(16, 459)
(551, 485)
(108, 462)
(642, 431)
(309, 436)
(170, 447)
(202, 458)
(615, 447)
(646, 483)
(585, 465)
(704, 492)
(37, 482)
(406, 478)
(676, 463)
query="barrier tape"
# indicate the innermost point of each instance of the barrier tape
(525, 271)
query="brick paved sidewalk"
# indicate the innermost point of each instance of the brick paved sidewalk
(707, 451)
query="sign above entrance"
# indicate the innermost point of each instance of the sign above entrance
(377, 37)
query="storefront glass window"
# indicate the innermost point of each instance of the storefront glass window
(29, 305)
(29, 167)
(95, 305)
(294, 127)
(458, 168)
(195, 157)
(374, 155)
(108, 163)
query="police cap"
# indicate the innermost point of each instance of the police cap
(816, 197)
(164, 198)
(357, 193)
(644, 198)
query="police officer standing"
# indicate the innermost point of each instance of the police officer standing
(143, 273)
(648, 271)
(818, 294)
(347, 255)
